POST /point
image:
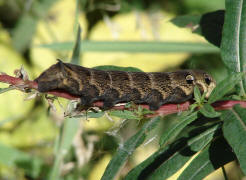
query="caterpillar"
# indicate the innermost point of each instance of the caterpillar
(112, 87)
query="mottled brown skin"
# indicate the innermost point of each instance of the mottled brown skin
(111, 87)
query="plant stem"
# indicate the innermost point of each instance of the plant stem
(163, 110)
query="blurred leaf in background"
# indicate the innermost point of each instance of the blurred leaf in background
(36, 33)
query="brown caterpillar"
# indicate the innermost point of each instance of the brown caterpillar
(111, 87)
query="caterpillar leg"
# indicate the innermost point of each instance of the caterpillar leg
(88, 95)
(134, 95)
(110, 98)
(177, 96)
(154, 100)
(153, 106)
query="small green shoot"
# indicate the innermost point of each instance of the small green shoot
(206, 109)
(200, 99)
(141, 112)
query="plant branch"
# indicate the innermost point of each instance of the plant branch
(163, 110)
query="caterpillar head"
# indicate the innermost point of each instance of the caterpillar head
(202, 79)
(188, 79)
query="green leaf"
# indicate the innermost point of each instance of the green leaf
(224, 87)
(123, 114)
(182, 121)
(133, 47)
(184, 21)
(71, 125)
(166, 161)
(41, 8)
(187, 21)
(234, 129)
(242, 42)
(197, 95)
(127, 149)
(234, 38)
(27, 24)
(211, 25)
(208, 111)
(3, 90)
(215, 155)
(141, 112)
(76, 50)
(117, 68)
(22, 35)
(67, 134)
(95, 114)
(76, 19)
(14, 158)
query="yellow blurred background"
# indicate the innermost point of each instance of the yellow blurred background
(29, 129)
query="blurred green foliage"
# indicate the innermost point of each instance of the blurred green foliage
(38, 143)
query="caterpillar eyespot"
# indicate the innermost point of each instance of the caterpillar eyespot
(207, 79)
(111, 87)
(189, 79)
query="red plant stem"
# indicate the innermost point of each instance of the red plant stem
(222, 105)
(163, 110)
(17, 81)
(33, 85)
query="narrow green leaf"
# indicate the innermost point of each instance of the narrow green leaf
(22, 35)
(224, 87)
(68, 132)
(242, 42)
(197, 95)
(208, 111)
(234, 129)
(133, 47)
(193, 146)
(233, 40)
(76, 19)
(215, 155)
(71, 125)
(127, 149)
(117, 68)
(15, 158)
(3, 90)
(166, 161)
(26, 26)
(76, 50)
(182, 121)
(123, 114)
